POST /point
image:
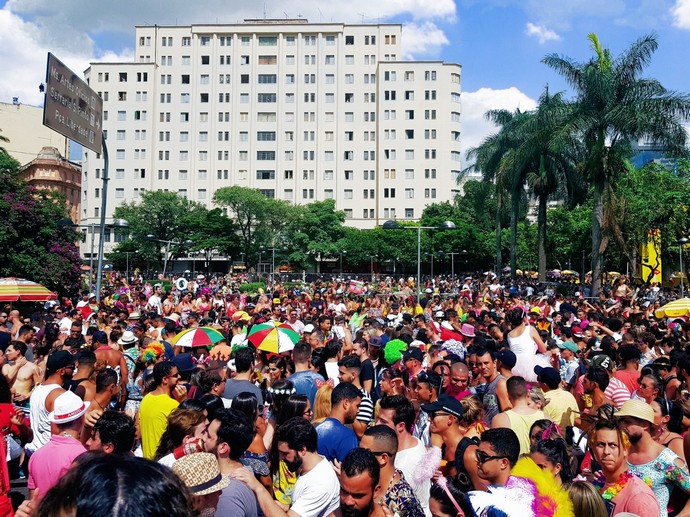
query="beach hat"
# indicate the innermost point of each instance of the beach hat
(200, 472)
(128, 338)
(68, 407)
(638, 409)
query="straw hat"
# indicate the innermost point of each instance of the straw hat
(200, 472)
(637, 409)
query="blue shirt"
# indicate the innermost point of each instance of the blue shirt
(305, 384)
(335, 440)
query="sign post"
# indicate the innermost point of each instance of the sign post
(74, 110)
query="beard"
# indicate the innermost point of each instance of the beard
(634, 438)
(351, 511)
(293, 466)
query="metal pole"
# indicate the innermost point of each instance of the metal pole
(419, 262)
(165, 261)
(93, 231)
(273, 269)
(452, 265)
(104, 205)
(372, 268)
(681, 269)
(127, 266)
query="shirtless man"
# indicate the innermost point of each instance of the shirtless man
(22, 375)
(116, 360)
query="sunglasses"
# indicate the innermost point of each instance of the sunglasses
(483, 457)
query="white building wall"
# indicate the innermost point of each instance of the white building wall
(291, 108)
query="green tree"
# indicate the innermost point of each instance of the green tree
(213, 233)
(316, 230)
(614, 106)
(33, 245)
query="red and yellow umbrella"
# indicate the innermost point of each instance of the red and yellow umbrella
(200, 336)
(21, 290)
(274, 337)
(239, 316)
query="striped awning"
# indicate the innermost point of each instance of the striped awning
(19, 289)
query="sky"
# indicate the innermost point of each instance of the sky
(499, 43)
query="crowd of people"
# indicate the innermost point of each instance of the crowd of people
(494, 400)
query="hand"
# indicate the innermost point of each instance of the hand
(21, 362)
(18, 417)
(29, 507)
(92, 417)
(19, 397)
(336, 466)
(247, 477)
(179, 393)
(437, 474)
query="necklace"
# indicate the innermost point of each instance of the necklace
(613, 490)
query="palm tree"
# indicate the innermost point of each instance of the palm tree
(614, 106)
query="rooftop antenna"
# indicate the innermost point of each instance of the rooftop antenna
(264, 10)
(362, 15)
(320, 15)
(286, 15)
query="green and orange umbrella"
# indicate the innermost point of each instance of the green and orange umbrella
(199, 336)
(21, 290)
(273, 337)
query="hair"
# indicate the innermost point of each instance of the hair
(344, 391)
(280, 391)
(247, 403)
(516, 387)
(351, 362)
(301, 353)
(86, 358)
(279, 363)
(294, 405)
(116, 429)
(322, 403)
(209, 379)
(586, 499)
(504, 442)
(212, 404)
(446, 505)
(472, 410)
(609, 425)
(386, 437)
(193, 404)
(107, 485)
(358, 461)
(543, 424)
(106, 378)
(244, 357)
(160, 371)
(236, 429)
(556, 451)
(404, 411)
(537, 396)
(25, 329)
(19, 346)
(599, 376)
(298, 434)
(181, 423)
(515, 316)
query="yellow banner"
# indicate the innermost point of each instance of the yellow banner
(650, 254)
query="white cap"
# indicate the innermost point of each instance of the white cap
(308, 328)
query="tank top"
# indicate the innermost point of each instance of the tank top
(490, 399)
(40, 424)
(521, 424)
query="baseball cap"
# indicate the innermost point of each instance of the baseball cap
(568, 345)
(413, 353)
(308, 329)
(375, 341)
(445, 403)
(548, 376)
(602, 361)
(507, 358)
(59, 359)
(100, 337)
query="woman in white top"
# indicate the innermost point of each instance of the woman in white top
(526, 344)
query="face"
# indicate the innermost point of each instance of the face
(352, 409)
(486, 365)
(440, 421)
(489, 466)
(423, 392)
(94, 443)
(274, 371)
(545, 464)
(535, 435)
(173, 378)
(357, 349)
(459, 380)
(292, 459)
(345, 375)
(608, 450)
(12, 354)
(208, 431)
(647, 390)
(308, 412)
(634, 428)
(356, 495)
(387, 418)
(444, 371)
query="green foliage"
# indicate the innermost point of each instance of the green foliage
(253, 287)
(33, 245)
(316, 229)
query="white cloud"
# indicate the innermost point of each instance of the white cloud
(475, 104)
(681, 14)
(425, 39)
(541, 33)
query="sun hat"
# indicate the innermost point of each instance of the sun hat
(637, 409)
(68, 407)
(127, 338)
(200, 472)
(467, 330)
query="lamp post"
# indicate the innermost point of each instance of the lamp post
(167, 247)
(372, 257)
(681, 242)
(341, 261)
(394, 225)
(273, 263)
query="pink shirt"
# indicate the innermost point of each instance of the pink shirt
(49, 463)
(636, 498)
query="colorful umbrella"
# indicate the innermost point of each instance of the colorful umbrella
(675, 309)
(273, 337)
(18, 289)
(239, 315)
(200, 336)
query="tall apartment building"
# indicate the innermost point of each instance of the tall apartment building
(301, 111)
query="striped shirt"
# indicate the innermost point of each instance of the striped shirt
(366, 409)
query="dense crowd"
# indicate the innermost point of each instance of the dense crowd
(482, 398)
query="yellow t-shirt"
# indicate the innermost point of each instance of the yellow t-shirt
(153, 420)
(521, 424)
(561, 407)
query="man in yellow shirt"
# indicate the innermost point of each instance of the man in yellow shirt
(561, 406)
(158, 404)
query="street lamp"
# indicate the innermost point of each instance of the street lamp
(341, 261)
(372, 257)
(167, 243)
(394, 225)
(680, 243)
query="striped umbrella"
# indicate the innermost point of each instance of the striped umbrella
(199, 336)
(676, 309)
(240, 315)
(273, 336)
(18, 289)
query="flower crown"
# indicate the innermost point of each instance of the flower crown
(282, 391)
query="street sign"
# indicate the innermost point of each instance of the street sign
(72, 108)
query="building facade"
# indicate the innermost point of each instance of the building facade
(301, 111)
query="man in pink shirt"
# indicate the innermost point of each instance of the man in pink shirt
(49, 463)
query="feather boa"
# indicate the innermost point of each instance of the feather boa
(428, 466)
